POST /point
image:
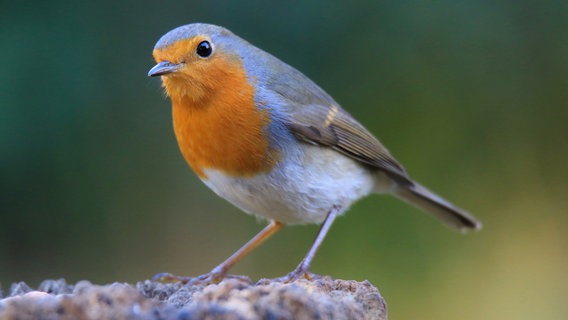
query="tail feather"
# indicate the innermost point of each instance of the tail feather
(424, 199)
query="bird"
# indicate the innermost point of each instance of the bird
(269, 140)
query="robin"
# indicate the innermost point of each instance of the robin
(269, 140)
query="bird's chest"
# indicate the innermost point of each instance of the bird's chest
(229, 138)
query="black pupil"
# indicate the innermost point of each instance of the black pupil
(204, 49)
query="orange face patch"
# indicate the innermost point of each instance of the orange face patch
(179, 51)
(216, 122)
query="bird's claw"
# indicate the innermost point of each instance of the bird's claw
(290, 277)
(212, 277)
(166, 277)
(204, 279)
(207, 279)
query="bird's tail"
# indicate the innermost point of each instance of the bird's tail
(424, 199)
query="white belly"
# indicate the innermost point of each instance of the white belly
(301, 191)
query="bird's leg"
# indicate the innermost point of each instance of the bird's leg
(302, 270)
(219, 272)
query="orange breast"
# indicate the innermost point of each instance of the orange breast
(223, 130)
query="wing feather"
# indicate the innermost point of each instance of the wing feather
(333, 127)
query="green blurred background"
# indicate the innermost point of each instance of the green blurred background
(469, 95)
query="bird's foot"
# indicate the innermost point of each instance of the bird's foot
(166, 277)
(290, 277)
(204, 279)
(213, 277)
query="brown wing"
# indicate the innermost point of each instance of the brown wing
(333, 127)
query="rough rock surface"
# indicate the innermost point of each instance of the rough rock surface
(233, 298)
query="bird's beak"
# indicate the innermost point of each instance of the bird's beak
(163, 68)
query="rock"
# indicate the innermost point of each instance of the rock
(115, 301)
(232, 298)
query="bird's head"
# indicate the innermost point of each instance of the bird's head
(196, 61)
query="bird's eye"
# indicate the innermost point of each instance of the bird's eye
(204, 49)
